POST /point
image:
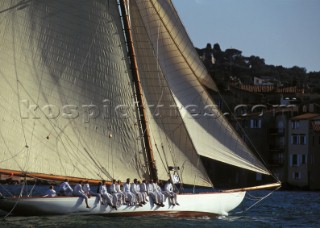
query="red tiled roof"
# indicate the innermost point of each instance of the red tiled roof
(306, 116)
(267, 89)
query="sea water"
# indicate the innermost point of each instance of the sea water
(280, 209)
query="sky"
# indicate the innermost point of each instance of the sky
(282, 32)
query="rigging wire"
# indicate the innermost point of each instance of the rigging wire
(250, 141)
(31, 190)
(5, 189)
(16, 203)
(258, 200)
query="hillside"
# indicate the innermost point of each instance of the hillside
(230, 64)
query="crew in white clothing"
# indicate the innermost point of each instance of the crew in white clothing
(105, 195)
(168, 192)
(87, 190)
(143, 190)
(130, 198)
(120, 192)
(50, 192)
(65, 189)
(143, 199)
(159, 193)
(135, 189)
(153, 193)
(78, 191)
(115, 194)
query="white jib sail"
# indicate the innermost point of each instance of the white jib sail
(170, 140)
(210, 132)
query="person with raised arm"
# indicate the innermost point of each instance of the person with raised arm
(65, 188)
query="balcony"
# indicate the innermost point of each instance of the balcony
(273, 148)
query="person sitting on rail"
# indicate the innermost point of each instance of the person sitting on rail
(50, 192)
(65, 189)
(78, 191)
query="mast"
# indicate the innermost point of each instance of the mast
(141, 106)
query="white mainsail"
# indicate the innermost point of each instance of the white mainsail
(211, 134)
(68, 100)
(68, 59)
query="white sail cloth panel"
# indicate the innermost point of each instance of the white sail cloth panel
(170, 140)
(210, 132)
(68, 58)
(177, 34)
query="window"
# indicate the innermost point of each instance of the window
(295, 124)
(255, 123)
(294, 160)
(303, 139)
(296, 175)
(303, 159)
(298, 139)
(294, 139)
(298, 159)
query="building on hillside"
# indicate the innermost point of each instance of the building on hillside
(263, 81)
(304, 151)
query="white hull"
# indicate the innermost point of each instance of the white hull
(194, 205)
